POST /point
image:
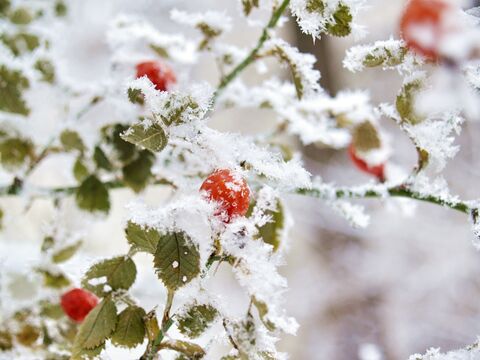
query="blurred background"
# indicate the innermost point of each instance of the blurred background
(408, 282)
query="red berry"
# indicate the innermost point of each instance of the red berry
(77, 303)
(377, 170)
(424, 15)
(160, 74)
(230, 190)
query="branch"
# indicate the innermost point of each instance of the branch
(277, 13)
(396, 191)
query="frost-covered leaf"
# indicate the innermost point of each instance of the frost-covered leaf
(92, 195)
(196, 319)
(142, 238)
(6, 340)
(406, 100)
(365, 137)
(305, 78)
(190, 350)
(149, 136)
(20, 42)
(97, 326)
(249, 5)
(12, 84)
(110, 274)
(54, 280)
(271, 232)
(130, 330)
(51, 310)
(46, 68)
(177, 260)
(138, 172)
(210, 23)
(135, 96)
(340, 24)
(388, 54)
(87, 354)
(14, 152)
(21, 16)
(27, 335)
(244, 334)
(66, 253)
(262, 309)
(60, 8)
(71, 141)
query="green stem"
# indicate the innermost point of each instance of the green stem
(277, 13)
(397, 191)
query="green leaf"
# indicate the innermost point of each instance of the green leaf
(45, 67)
(130, 330)
(4, 7)
(137, 173)
(262, 309)
(365, 137)
(11, 87)
(66, 253)
(101, 159)
(48, 242)
(196, 320)
(383, 56)
(135, 96)
(92, 195)
(80, 171)
(342, 22)
(21, 16)
(21, 42)
(190, 350)
(315, 6)
(97, 327)
(120, 273)
(248, 6)
(176, 259)
(405, 102)
(71, 141)
(51, 310)
(60, 8)
(142, 238)
(152, 138)
(271, 232)
(123, 149)
(160, 51)
(81, 354)
(51, 280)
(15, 152)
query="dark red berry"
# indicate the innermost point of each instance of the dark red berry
(77, 303)
(376, 170)
(160, 74)
(230, 190)
(421, 15)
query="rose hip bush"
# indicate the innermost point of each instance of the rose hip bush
(226, 206)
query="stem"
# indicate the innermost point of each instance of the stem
(277, 13)
(155, 346)
(397, 191)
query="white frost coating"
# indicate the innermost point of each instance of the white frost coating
(437, 138)
(437, 187)
(127, 33)
(314, 119)
(469, 353)
(303, 64)
(356, 56)
(216, 20)
(314, 23)
(256, 270)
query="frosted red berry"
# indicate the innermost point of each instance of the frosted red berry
(77, 303)
(159, 73)
(230, 190)
(424, 14)
(376, 170)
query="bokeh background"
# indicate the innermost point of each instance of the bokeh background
(408, 282)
